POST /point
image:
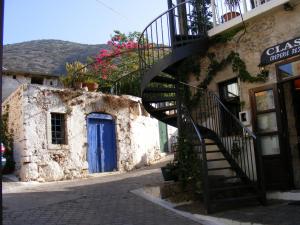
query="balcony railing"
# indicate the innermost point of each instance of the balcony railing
(223, 16)
(222, 13)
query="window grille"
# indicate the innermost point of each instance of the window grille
(58, 128)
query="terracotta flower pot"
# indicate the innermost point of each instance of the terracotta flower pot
(78, 85)
(230, 15)
(91, 86)
(169, 173)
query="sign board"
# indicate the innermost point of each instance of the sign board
(281, 51)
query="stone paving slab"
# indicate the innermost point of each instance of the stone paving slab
(277, 212)
(107, 199)
(104, 200)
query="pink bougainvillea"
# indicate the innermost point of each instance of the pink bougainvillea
(120, 47)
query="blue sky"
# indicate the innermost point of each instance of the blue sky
(82, 21)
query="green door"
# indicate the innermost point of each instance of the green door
(163, 136)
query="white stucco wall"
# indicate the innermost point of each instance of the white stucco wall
(137, 136)
(9, 84)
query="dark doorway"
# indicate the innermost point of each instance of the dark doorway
(230, 96)
(296, 104)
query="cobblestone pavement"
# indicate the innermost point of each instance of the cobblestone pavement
(104, 200)
(275, 213)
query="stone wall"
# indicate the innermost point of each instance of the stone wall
(261, 32)
(13, 105)
(137, 136)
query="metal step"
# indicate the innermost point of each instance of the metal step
(214, 160)
(215, 181)
(164, 109)
(168, 117)
(162, 99)
(234, 199)
(220, 168)
(233, 187)
(165, 80)
(160, 90)
(228, 178)
(210, 143)
(215, 151)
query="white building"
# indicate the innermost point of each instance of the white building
(62, 134)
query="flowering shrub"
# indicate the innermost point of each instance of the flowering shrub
(120, 59)
(116, 66)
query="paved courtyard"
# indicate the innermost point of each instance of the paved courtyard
(104, 199)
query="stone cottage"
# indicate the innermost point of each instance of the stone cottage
(64, 134)
(13, 79)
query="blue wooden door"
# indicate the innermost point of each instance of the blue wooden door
(101, 143)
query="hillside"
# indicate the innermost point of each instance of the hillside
(46, 56)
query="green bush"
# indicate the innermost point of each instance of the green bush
(7, 140)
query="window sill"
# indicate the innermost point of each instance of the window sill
(58, 147)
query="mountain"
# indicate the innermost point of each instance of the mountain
(46, 56)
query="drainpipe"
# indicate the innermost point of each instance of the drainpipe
(213, 9)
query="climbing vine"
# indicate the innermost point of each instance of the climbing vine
(215, 66)
(188, 163)
(186, 167)
(191, 65)
(238, 66)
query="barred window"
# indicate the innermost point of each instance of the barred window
(58, 128)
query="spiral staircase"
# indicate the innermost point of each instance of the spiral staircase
(230, 165)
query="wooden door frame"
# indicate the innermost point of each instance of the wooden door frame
(282, 130)
(287, 61)
(296, 111)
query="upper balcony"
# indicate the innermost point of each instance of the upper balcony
(225, 17)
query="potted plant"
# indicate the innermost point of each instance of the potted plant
(232, 6)
(91, 82)
(72, 81)
(170, 171)
(75, 75)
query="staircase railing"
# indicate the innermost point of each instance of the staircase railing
(177, 26)
(128, 84)
(209, 112)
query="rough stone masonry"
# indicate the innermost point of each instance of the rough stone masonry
(37, 159)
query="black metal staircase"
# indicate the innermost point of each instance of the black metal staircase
(230, 166)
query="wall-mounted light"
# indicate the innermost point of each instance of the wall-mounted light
(262, 69)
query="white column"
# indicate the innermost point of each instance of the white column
(245, 6)
(213, 8)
